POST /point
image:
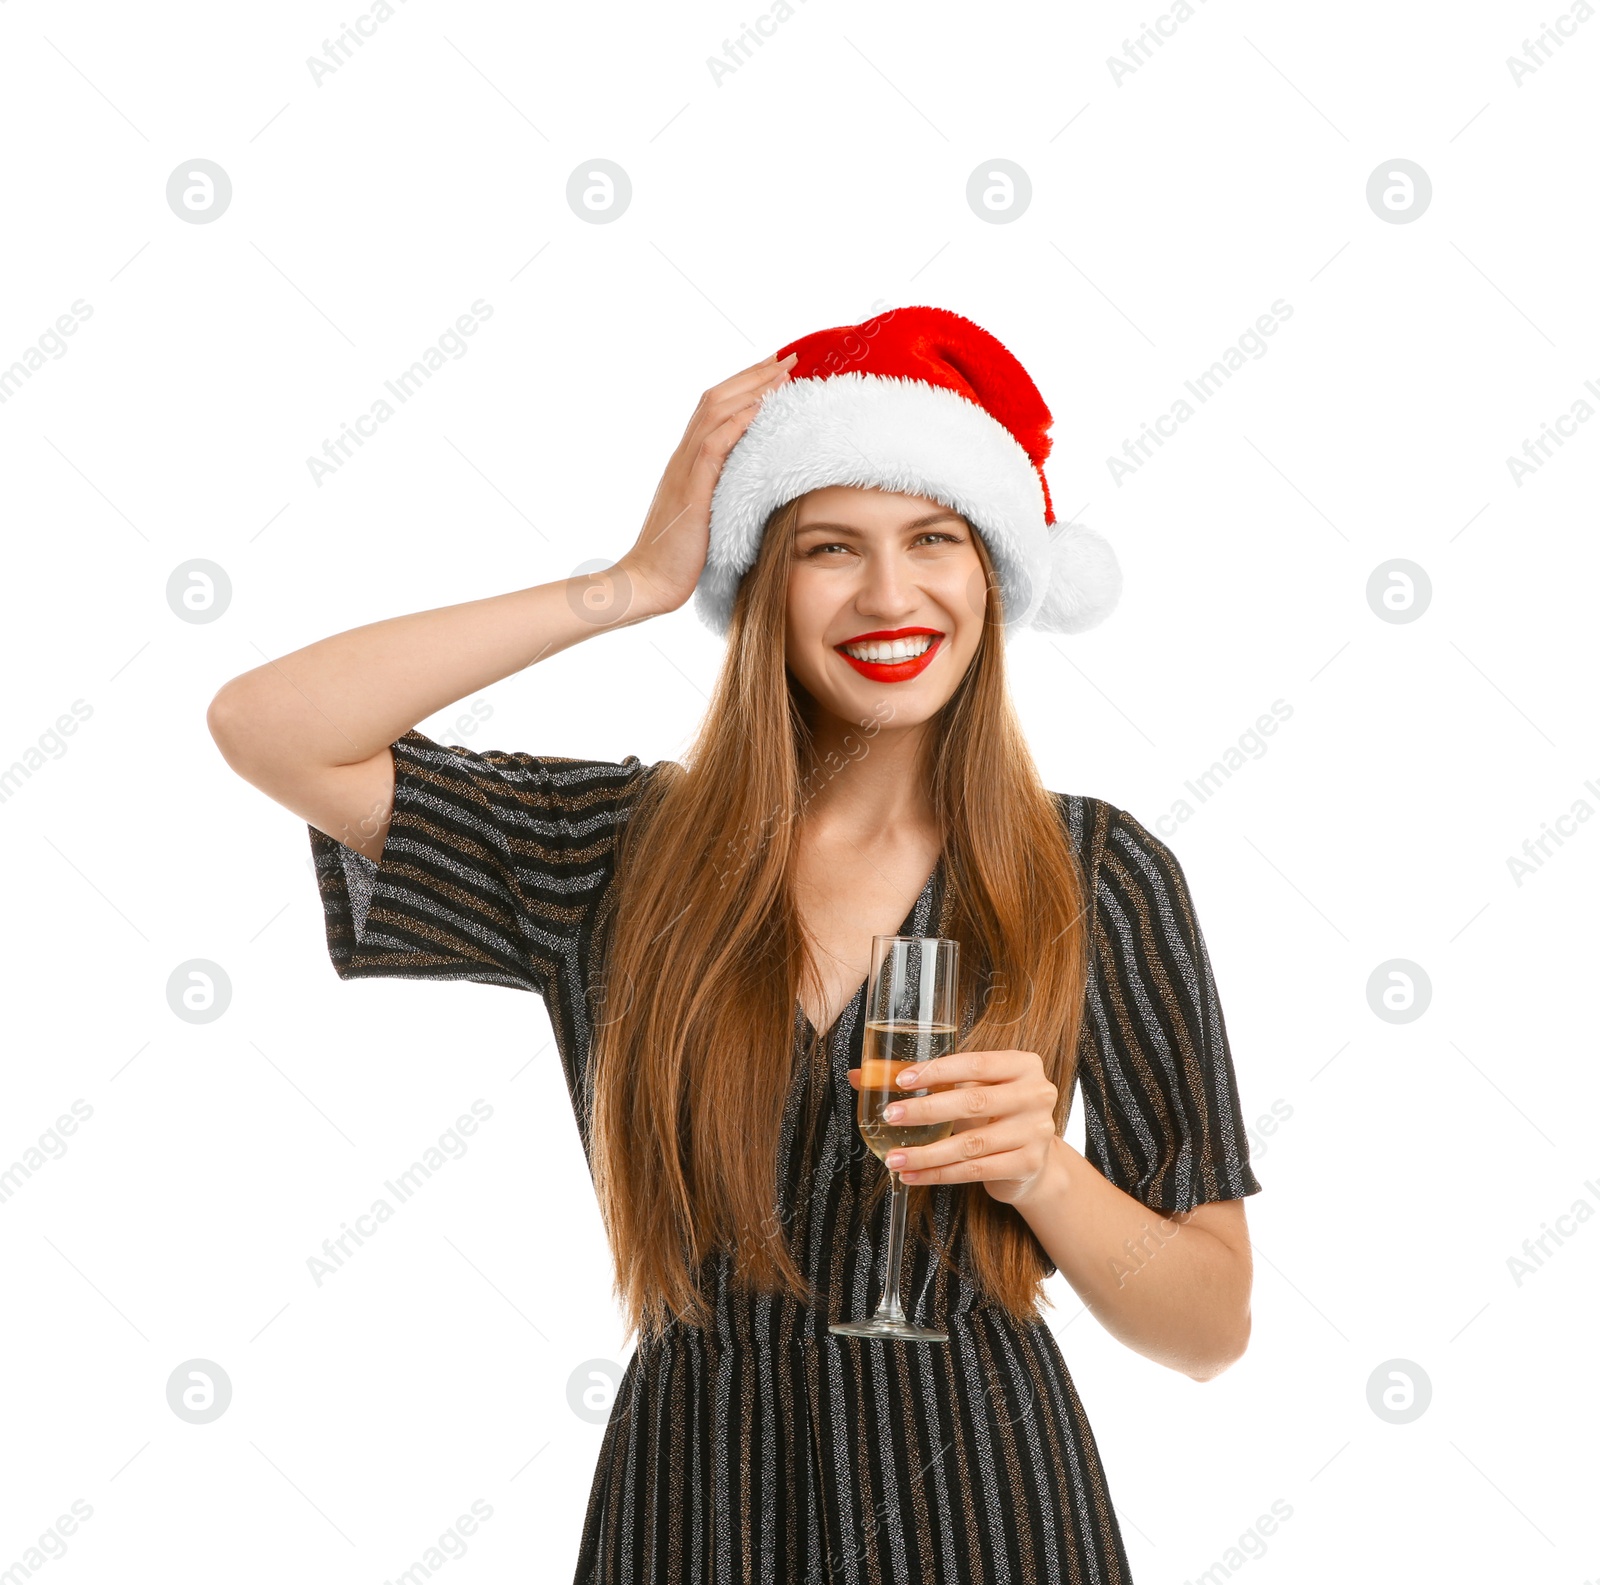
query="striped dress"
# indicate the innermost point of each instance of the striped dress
(762, 1448)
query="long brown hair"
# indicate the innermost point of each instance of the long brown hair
(706, 956)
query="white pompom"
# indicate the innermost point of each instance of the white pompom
(1085, 581)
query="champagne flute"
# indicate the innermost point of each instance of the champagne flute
(910, 1020)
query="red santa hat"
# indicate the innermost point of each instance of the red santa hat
(918, 401)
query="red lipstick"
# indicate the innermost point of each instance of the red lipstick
(898, 670)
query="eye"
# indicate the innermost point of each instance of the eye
(932, 533)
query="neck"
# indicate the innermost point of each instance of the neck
(853, 784)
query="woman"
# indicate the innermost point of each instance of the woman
(870, 507)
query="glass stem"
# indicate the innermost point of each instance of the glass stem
(889, 1306)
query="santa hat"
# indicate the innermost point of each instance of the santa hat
(918, 401)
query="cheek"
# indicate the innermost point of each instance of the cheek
(804, 621)
(975, 593)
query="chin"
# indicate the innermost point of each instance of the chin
(890, 704)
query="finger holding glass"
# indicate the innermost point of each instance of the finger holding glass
(974, 1116)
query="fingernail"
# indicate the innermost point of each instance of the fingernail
(896, 1159)
(909, 1076)
(891, 1114)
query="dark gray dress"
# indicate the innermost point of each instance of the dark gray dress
(763, 1448)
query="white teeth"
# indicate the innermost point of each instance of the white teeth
(897, 649)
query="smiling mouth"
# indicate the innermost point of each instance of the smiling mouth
(879, 649)
(892, 659)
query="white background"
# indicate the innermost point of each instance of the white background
(825, 176)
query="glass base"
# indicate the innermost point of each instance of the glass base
(901, 1329)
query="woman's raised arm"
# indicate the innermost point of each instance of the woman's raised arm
(312, 729)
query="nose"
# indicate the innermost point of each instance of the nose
(888, 589)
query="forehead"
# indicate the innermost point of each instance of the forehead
(849, 505)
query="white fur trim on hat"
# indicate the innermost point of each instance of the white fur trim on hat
(912, 438)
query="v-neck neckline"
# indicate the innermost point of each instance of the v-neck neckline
(903, 929)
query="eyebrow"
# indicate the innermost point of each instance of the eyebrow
(856, 533)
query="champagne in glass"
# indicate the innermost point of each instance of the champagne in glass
(911, 1019)
(886, 1048)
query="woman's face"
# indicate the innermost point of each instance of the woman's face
(886, 603)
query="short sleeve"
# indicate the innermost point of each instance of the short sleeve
(490, 870)
(1162, 1113)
